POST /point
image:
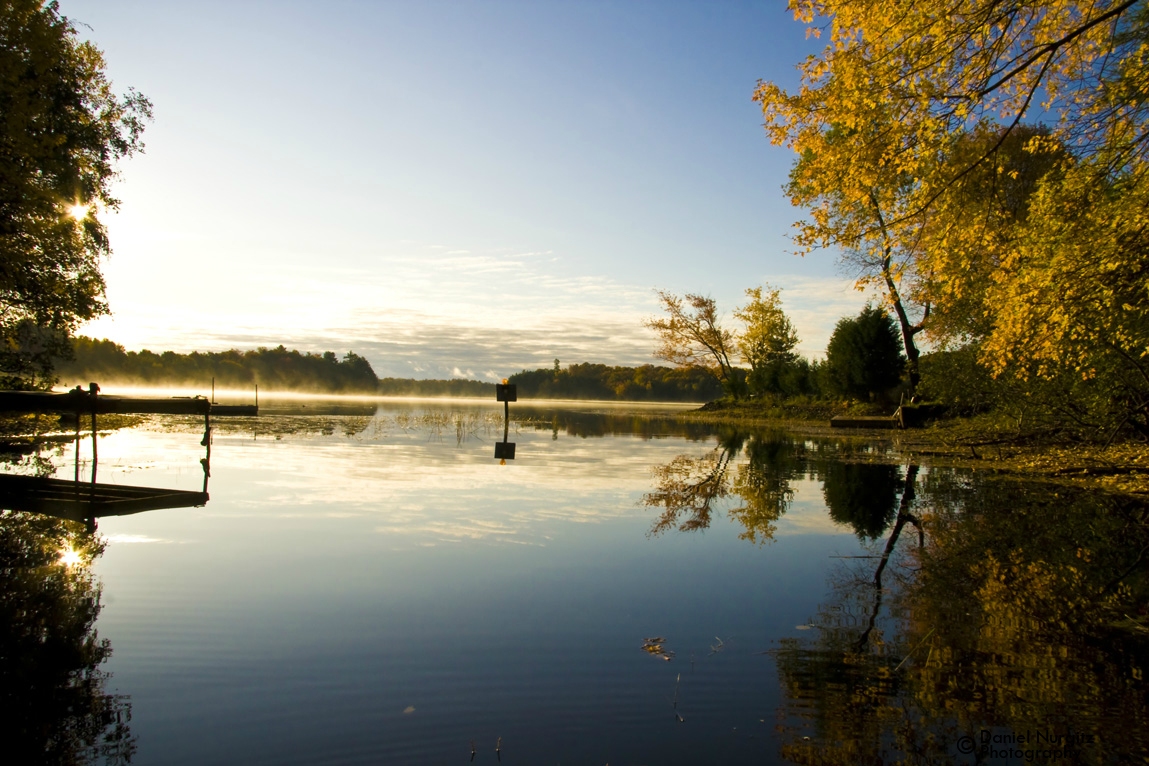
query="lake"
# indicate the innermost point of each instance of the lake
(368, 584)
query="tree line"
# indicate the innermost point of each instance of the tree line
(600, 382)
(648, 383)
(283, 369)
(863, 358)
(271, 368)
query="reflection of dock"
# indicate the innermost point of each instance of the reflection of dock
(82, 501)
(87, 501)
(80, 402)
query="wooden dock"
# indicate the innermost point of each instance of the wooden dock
(83, 501)
(80, 402)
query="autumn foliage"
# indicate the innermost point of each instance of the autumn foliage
(984, 162)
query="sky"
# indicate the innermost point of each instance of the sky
(450, 189)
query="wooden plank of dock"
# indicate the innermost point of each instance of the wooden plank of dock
(85, 403)
(79, 500)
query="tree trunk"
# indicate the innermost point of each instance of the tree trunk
(908, 333)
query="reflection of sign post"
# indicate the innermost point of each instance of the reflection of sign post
(505, 393)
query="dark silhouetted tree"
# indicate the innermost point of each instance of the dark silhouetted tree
(62, 128)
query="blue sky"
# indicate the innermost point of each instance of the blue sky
(449, 188)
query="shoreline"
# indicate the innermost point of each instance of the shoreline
(976, 443)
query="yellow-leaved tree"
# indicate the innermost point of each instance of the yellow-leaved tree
(693, 336)
(924, 157)
(768, 342)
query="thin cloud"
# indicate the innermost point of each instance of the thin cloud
(815, 305)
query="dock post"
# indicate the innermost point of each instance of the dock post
(206, 429)
(93, 389)
(205, 461)
(77, 476)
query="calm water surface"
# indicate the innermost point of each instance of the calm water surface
(368, 585)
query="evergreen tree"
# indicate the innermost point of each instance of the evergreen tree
(863, 358)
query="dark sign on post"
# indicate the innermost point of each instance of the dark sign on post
(505, 393)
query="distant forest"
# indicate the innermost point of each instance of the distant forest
(282, 369)
(647, 383)
(277, 369)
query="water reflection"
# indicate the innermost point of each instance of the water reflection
(689, 490)
(464, 421)
(862, 495)
(315, 611)
(985, 610)
(1016, 625)
(54, 700)
(53, 696)
(85, 501)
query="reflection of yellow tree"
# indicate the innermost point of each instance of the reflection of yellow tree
(52, 697)
(1019, 615)
(841, 701)
(1041, 601)
(845, 682)
(763, 483)
(690, 487)
(841, 684)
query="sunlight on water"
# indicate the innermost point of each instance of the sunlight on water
(70, 557)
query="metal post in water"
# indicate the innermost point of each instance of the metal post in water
(505, 393)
